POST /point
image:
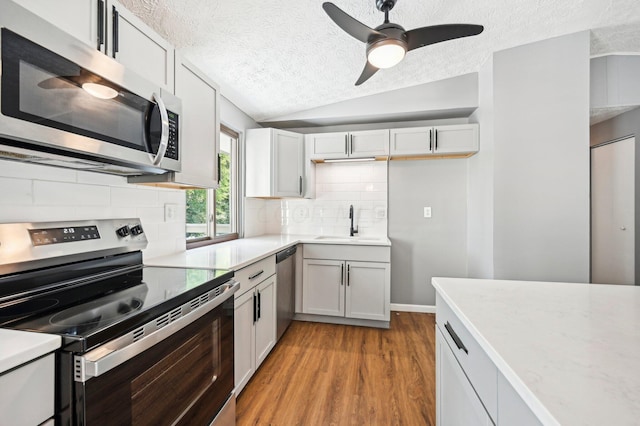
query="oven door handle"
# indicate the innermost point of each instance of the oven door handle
(105, 358)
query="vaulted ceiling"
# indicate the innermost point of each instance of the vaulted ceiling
(273, 58)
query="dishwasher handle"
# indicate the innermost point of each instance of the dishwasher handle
(285, 254)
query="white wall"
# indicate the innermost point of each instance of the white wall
(32, 193)
(480, 183)
(541, 161)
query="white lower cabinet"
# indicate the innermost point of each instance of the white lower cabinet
(346, 288)
(456, 401)
(512, 410)
(254, 320)
(27, 393)
(470, 389)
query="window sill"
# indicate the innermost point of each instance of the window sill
(210, 241)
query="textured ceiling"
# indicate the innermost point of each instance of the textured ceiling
(273, 58)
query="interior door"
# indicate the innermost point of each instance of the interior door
(613, 213)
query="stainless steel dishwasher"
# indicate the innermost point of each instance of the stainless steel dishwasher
(286, 278)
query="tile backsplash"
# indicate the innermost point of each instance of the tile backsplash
(338, 185)
(33, 193)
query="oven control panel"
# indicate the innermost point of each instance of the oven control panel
(22, 244)
(41, 237)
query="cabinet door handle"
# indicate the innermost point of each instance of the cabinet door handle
(259, 313)
(346, 144)
(257, 274)
(300, 185)
(435, 138)
(342, 274)
(455, 337)
(219, 161)
(255, 308)
(100, 23)
(430, 139)
(116, 28)
(348, 274)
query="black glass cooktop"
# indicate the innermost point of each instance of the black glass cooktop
(90, 313)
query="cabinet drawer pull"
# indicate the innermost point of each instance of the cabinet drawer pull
(455, 338)
(257, 274)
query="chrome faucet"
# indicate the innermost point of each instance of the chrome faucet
(352, 230)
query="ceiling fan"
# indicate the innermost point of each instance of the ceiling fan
(388, 43)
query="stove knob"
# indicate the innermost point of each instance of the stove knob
(123, 232)
(136, 230)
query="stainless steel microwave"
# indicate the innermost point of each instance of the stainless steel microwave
(65, 104)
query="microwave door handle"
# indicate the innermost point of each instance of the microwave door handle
(164, 138)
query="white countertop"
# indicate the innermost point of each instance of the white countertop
(572, 351)
(237, 254)
(19, 347)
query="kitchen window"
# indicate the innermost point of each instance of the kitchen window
(212, 215)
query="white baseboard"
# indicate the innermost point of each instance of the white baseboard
(400, 307)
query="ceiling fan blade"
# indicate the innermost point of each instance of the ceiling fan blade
(367, 72)
(425, 36)
(351, 25)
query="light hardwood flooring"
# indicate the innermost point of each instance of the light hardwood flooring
(324, 374)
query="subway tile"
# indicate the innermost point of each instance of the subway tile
(171, 196)
(93, 178)
(69, 194)
(34, 171)
(135, 197)
(16, 191)
(152, 214)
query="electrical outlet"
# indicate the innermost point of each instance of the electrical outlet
(170, 212)
(427, 212)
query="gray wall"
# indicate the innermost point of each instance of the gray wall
(622, 126)
(423, 248)
(480, 182)
(541, 161)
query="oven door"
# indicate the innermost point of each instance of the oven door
(82, 102)
(184, 379)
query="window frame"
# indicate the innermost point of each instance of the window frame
(234, 198)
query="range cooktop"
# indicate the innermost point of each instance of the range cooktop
(96, 311)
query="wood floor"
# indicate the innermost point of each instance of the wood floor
(323, 374)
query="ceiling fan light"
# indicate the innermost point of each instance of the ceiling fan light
(386, 53)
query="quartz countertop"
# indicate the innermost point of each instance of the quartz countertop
(237, 254)
(572, 351)
(20, 347)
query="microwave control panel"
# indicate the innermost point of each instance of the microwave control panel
(172, 144)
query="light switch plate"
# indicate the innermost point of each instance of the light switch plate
(427, 212)
(170, 212)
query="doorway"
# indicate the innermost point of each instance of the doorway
(613, 212)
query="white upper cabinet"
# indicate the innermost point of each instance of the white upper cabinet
(199, 126)
(368, 143)
(136, 46)
(439, 140)
(80, 18)
(274, 163)
(109, 27)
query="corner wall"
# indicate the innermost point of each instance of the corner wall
(541, 161)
